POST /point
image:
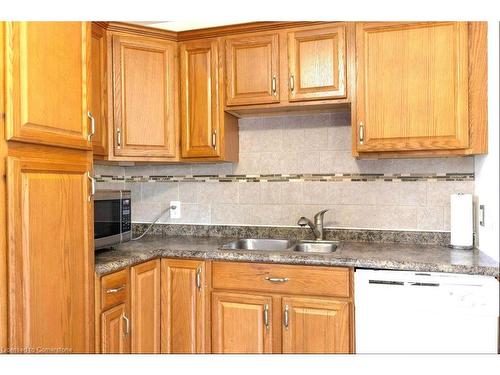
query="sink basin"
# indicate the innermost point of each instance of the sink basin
(316, 246)
(259, 244)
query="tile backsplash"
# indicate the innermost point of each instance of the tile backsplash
(300, 145)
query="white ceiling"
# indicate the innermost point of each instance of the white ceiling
(186, 25)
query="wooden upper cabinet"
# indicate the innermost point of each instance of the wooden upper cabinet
(46, 83)
(184, 304)
(241, 323)
(313, 325)
(51, 249)
(252, 69)
(144, 84)
(317, 63)
(145, 307)
(114, 337)
(98, 89)
(412, 86)
(199, 65)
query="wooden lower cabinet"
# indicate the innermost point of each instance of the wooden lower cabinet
(241, 323)
(315, 325)
(50, 250)
(184, 306)
(115, 338)
(145, 307)
(128, 310)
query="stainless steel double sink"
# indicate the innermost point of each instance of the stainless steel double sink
(303, 246)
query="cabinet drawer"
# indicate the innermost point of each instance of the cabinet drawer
(114, 289)
(310, 280)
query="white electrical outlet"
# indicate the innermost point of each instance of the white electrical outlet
(175, 213)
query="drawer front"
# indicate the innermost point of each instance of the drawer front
(114, 289)
(277, 278)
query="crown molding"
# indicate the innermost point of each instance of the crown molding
(211, 32)
(250, 27)
(141, 30)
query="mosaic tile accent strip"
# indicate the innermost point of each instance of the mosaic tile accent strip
(327, 177)
(295, 233)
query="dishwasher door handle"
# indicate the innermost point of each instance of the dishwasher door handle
(386, 282)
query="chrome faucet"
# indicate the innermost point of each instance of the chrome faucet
(317, 226)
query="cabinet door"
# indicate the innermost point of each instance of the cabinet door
(98, 97)
(145, 307)
(313, 325)
(183, 306)
(252, 70)
(144, 90)
(199, 99)
(46, 83)
(241, 323)
(51, 249)
(114, 335)
(317, 64)
(412, 86)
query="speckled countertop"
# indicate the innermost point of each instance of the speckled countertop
(427, 258)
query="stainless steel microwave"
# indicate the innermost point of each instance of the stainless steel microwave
(112, 218)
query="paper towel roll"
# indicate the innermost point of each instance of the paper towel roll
(461, 221)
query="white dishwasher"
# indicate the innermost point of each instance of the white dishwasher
(425, 312)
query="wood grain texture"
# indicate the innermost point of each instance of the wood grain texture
(199, 76)
(412, 94)
(317, 63)
(183, 306)
(51, 255)
(47, 73)
(3, 205)
(145, 307)
(144, 98)
(238, 324)
(113, 337)
(98, 87)
(309, 280)
(114, 289)
(316, 326)
(252, 63)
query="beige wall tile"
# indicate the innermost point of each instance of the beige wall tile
(430, 218)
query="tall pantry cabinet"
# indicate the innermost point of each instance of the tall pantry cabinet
(47, 146)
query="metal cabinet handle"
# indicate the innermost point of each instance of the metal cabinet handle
(92, 186)
(286, 317)
(127, 324)
(277, 279)
(273, 85)
(198, 278)
(118, 138)
(292, 83)
(361, 133)
(214, 139)
(266, 316)
(115, 290)
(92, 125)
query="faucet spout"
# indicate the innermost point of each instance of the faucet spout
(316, 227)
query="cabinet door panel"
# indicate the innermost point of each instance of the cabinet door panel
(317, 63)
(183, 306)
(51, 255)
(144, 89)
(239, 323)
(315, 325)
(252, 70)
(412, 91)
(200, 99)
(98, 97)
(114, 339)
(145, 307)
(46, 83)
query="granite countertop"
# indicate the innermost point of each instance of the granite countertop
(394, 256)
